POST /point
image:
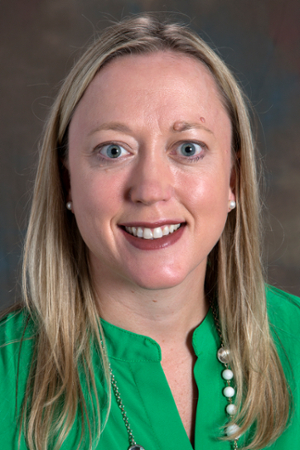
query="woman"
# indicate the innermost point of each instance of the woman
(145, 214)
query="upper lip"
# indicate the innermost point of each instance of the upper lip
(156, 224)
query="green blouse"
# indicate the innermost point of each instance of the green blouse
(148, 401)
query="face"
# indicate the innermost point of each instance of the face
(150, 168)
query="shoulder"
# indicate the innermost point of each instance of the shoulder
(17, 338)
(284, 320)
(15, 327)
(283, 310)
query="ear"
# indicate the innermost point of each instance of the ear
(65, 179)
(232, 187)
(232, 184)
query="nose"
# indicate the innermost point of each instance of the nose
(151, 179)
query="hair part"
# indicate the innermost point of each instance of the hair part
(58, 289)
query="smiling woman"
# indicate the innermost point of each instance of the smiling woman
(146, 323)
(128, 140)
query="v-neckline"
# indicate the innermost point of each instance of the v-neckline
(140, 351)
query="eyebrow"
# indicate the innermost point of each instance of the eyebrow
(177, 127)
(184, 126)
(115, 126)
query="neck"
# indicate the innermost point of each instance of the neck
(167, 315)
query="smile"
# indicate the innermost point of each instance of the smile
(152, 233)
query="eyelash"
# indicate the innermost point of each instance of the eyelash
(196, 158)
(191, 159)
(100, 147)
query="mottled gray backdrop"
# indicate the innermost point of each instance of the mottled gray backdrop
(260, 40)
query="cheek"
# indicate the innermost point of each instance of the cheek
(206, 191)
(207, 201)
(95, 205)
(95, 192)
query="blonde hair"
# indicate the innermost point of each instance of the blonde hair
(57, 285)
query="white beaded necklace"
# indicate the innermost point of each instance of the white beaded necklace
(223, 356)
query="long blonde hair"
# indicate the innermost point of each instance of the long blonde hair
(58, 289)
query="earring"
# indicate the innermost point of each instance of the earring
(232, 204)
(69, 206)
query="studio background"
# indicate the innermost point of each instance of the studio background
(260, 41)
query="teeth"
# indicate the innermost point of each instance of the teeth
(165, 230)
(139, 232)
(155, 233)
(148, 233)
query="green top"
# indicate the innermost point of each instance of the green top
(148, 401)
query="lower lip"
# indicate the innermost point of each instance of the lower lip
(154, 244)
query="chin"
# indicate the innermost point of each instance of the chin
(157, 283)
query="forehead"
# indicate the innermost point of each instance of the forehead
(156, 86)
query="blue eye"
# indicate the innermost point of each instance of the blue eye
(190, 149)
(113, 151)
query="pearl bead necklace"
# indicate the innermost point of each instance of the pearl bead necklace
(223, 356)
(229, 392)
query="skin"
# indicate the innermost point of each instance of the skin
(143, 103)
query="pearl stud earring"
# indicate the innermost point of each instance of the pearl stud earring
(232, 204)
(69, 206)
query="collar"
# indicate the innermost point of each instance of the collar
(128, 346)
